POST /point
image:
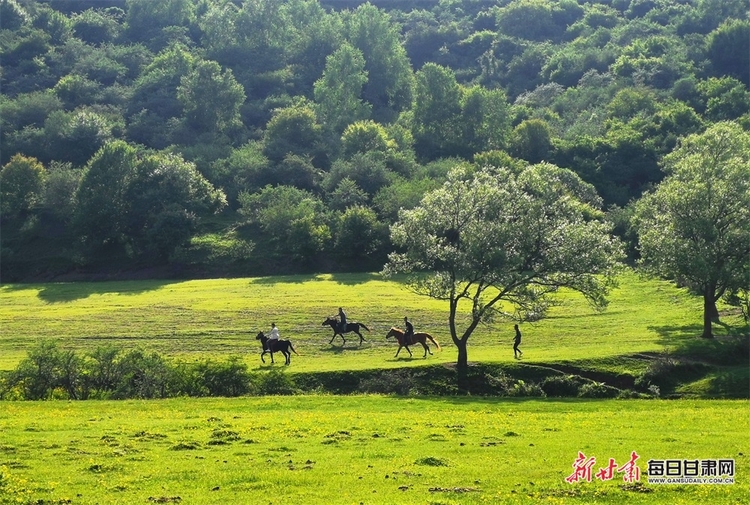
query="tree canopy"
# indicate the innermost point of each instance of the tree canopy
(695, 227)
(494, 242)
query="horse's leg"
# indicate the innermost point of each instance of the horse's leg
(399, 350)
(361, 338)
(426, 349)
(287, 357)
(410, 354)
(261, 357)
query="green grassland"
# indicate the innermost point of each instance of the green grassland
(201, 319)
(331, 449)
(360, 449)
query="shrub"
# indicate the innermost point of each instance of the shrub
(143, 376)
(275, 382)
(562, 385)
(526, 389)
(657, 372)
(224, 379)
(598, 390)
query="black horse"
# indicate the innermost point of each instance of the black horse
(334, 324)
(282, 346)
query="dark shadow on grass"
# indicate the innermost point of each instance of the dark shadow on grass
(343, 279)
(685, 342)
(332, 349)
(355, 279)
(62, 292)
(731, 382)
(282, 279)
(493, 400)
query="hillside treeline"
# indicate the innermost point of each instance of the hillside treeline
(245, 137)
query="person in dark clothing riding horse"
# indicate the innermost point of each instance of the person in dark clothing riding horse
(409, 331)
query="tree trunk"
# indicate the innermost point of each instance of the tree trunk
(462, 366)
(714, 311)
(709, 305)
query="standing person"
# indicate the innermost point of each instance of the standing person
(409, 331)
(273, 337)
(517, 353)
(342, 321)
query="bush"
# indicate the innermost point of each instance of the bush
(598, 390)
(143, 376)
(526, 389)
(275, 382)
(224, 379)
(562, 385)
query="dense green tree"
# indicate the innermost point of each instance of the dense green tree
(294, 220)
(531, 19)
(164, 197)
(154, 101)
(728, 47)
(97, 26)
(724, 98)
(59, 195)
(13, 15)
(147, 21)
(485, 120)
(318, 34)
(211, 99)
(532, 141)
(101, 204)
(437, 110)
(365, 136)
(390, 80)
(402, 194)
(347, 194)
(75, 136)
(368, 171)
(493, 240)
(21, 185)
(76, 90)
(359, 234)
(293, 130)
(695, 226)
(245, 169)
(338, 92)
(654, 60)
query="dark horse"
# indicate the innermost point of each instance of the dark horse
(282, 346)
(334, 324)
(416, 337)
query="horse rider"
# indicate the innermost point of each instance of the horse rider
(342, 321)
(273, 337)
(409, 331)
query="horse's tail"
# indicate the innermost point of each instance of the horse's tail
(292, 348)
(363, 326)
(433, 341)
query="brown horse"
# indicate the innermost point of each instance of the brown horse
(416, 337)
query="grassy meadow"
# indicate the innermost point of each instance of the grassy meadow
(212, 319)
(326, 449)
(360, 450)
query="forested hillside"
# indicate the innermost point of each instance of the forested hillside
(245, 137)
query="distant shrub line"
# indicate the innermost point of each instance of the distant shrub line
(49, 372)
